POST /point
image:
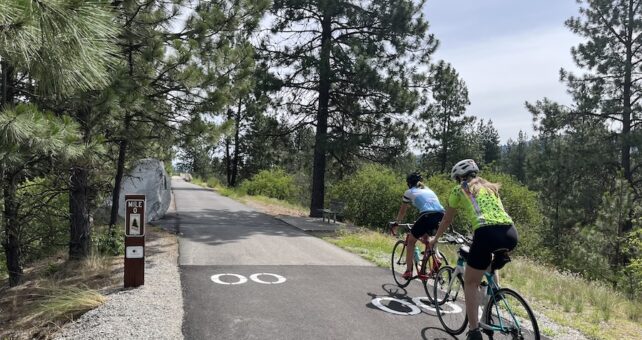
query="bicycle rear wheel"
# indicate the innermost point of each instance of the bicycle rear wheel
(511, 317)
(450, 306)
(398, 263)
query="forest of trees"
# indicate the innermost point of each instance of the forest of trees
(316, 88)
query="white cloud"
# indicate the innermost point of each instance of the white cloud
(502, 73)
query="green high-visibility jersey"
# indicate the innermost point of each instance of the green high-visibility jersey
(491, 209)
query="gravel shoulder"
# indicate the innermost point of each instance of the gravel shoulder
(153, 311)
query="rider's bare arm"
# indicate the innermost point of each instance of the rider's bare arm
(446, 221)
(402, 212)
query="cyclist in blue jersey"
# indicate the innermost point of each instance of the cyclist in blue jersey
(430, 213)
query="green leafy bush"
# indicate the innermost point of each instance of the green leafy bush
(107, 244)
(214, 182)
(372, 196)
(273, 183)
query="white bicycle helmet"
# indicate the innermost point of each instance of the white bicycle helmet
(464, 168)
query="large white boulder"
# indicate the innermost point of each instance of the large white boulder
(149, 178)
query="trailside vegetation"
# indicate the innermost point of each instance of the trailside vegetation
(309, 102)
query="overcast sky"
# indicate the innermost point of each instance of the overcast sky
(507, 52)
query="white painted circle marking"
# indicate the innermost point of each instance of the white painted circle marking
(255, 278)
(413, 309)
(217, 279)
(454, 308)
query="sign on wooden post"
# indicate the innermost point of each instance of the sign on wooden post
(134, 240)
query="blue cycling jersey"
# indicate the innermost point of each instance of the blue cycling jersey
(425, 200)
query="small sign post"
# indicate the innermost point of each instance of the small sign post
(134, 240)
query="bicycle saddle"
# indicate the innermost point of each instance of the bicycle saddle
(500, 259)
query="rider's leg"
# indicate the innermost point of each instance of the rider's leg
(472, 279)
(410, 252)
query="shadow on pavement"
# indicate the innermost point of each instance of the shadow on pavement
(434, 333)
(213, 226)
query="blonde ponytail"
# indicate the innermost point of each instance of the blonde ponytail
(477, 183)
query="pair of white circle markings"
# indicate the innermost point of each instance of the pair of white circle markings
(414, 308)
(242, 279)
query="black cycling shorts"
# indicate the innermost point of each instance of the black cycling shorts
(427, 223)
(486, 240)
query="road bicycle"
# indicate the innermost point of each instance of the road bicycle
(426, 262)
(506, 314)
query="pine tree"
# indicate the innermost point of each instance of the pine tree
(347, 67)
(444, 118)
(62, 47)
(489, 140)
(611, 87)
(515, 157)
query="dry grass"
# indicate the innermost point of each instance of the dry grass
(53, 292)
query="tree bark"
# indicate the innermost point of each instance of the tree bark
(120, 172)
(228, 155)
(80, 233)
(79, 213)
(11, 242)
(320, 146)
(6, 86)
(235, 161)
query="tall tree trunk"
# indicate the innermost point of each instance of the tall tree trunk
(120, 173)
(228, 153)
(320, 147)
(6, 84)
(237, 126)
(122, 154)
(626, 114)
(11, 242)
(80, 231)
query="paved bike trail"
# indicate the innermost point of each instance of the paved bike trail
(328, 293)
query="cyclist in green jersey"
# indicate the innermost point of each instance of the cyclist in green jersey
(478, 201)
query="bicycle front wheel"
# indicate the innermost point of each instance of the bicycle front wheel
(431, 265)
(510, 316)
(398, 263)
(450, 306)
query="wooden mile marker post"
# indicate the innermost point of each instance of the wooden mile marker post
(134, 240)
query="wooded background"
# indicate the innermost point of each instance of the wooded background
(306, 101)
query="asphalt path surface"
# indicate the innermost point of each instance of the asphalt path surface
(319, 291)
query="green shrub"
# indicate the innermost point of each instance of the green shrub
(273, 183)
(372, 196)
(214, 182)
(106, 244)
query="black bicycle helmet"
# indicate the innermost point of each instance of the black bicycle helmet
(413, 178)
